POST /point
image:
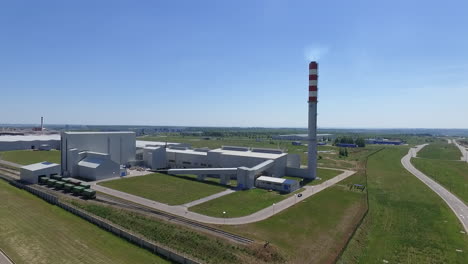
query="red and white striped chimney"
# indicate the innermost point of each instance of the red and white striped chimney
(312, 137)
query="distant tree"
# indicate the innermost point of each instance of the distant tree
(346, 152)
(360, 142)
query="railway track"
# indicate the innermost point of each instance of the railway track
(129, 205)
(215, 231)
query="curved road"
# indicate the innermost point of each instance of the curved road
(457, 205)
(463, 150)
(265, 213)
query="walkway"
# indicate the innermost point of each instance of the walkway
(457, 206)
(208, 198)
(463, 150)
(4, 259)
(181, 210)
(9, 163)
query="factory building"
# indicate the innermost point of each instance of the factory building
(22, 142)
(384, 141)
(302, 137)
(32, 172)
(277, 184)
(96, 155)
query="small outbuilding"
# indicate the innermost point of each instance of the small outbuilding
(277, 184)
(32, 172)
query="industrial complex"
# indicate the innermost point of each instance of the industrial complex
(96, 156)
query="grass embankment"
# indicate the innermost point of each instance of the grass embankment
(407, 222)
(440, 150)
(242, 203)
(171, 190)
(26, 157)
(315, 230)
(453, 175)
(206, 248)
(33, 231)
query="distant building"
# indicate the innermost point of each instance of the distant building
(346, 145)
(384, 141)
(277, 184)
(302, 137)
(20, 142)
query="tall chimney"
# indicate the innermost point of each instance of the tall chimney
(42, 123)
(312, 147)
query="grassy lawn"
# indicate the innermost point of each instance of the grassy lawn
(33, 231)
(315, 230)
(453, 175)
(407, 222)
(440, 150)
(240, 203)
(199, 245)
(26, 157)
(171, 190)
(324, 175)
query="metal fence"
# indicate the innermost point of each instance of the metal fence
(106, 225)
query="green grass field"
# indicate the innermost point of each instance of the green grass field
(171, 190)
(407, 222)
(315, 230)
(26, 157)
(33, 231)
(453, 175)
(440, 150)
(240, 203)
(206, 248)
(324, 175)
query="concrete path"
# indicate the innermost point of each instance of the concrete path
(12, 164)
(4, 259)
(181, 210)
(209, 198)
(457, 205)
(463, 150)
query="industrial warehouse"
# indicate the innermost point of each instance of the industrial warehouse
(97, 156)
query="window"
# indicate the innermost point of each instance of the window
(186, 162)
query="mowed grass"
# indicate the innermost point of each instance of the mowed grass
(33, 231)
(315, 230)
(323, 174)
(168, 189)
(440, 150)
(240, 203)
(26, 157)
(453, 175)
(407, 222)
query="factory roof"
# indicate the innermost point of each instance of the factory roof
(250, 154)
(29, 138)
(187, 151)
(303, 135)
(90, 162)
(275, 180)
(144, 143)
(39, 166)
(97, 132)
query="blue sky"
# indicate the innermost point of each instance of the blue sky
(382, 64)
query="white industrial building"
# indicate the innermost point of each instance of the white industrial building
(21, 142)
(302, 137)
(96, 155)
(32, 172)
(277, 184)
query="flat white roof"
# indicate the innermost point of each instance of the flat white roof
(250, 154)
(187, 151)
(143, 143)
(275, 180)
(90, 162)
(39, 166)
(29, 138)
(97, 132)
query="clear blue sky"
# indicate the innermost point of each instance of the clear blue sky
(234, 63)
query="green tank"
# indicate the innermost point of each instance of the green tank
(66, 180)
(89, 194)
(51, 182)
(85, 185)
(56, 177)
(43, 180)
(59, 184)
(77, 190)
(68, 187)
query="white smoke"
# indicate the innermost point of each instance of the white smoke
(315, 52)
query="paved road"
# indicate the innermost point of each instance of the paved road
(12, 164)
(209, 198)
(265, 213)
(463, 150)
(457, 205)
(4, 259)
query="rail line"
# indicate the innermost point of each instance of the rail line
(118, 202)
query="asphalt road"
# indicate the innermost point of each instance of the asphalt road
(181, 210)
(457, 205)
(4, 259)
(463, 150)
